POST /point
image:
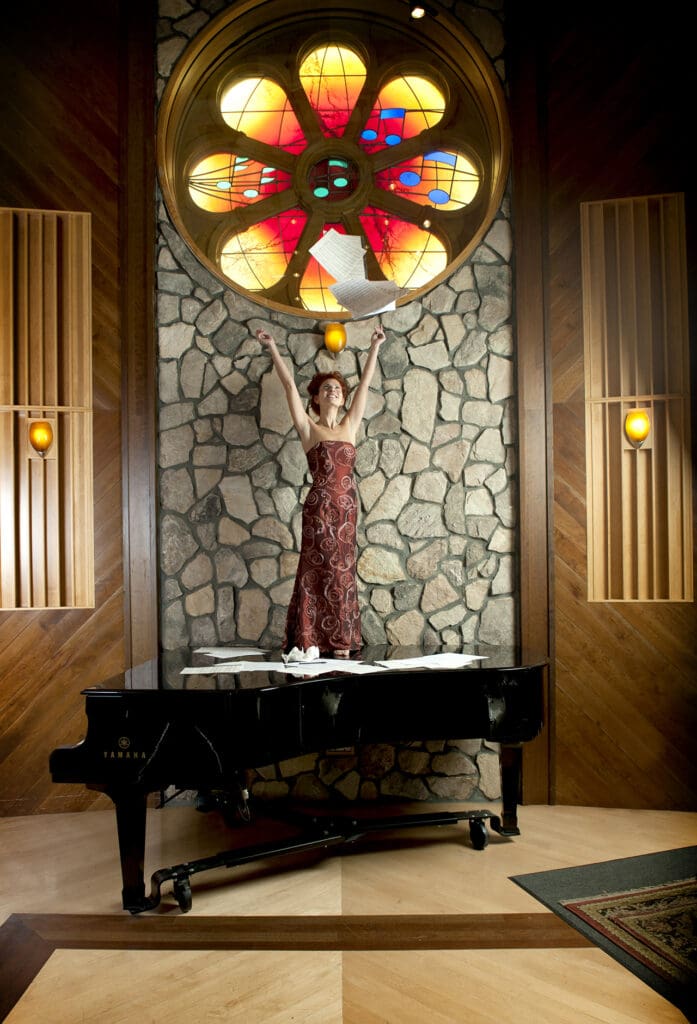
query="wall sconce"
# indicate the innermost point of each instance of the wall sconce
(335, 337)
(40, 436)
(637, 426)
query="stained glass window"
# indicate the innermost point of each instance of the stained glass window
(263, 151)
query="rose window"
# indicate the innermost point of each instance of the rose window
(366, 126)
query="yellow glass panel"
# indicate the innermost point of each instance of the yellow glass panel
(254, 259)
(332, 77)
(223, 182)
(260, 108)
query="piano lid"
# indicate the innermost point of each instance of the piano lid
(199, 668)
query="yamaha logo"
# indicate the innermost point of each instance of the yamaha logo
(124, 743)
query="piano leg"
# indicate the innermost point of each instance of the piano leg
(511, 765)
(131, 808)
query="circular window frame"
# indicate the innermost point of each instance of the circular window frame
(465, 74)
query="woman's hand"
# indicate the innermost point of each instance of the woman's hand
(264, 338)
(377, 337)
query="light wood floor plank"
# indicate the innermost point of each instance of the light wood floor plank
(404, 926)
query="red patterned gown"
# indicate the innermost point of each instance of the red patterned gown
(323, 611)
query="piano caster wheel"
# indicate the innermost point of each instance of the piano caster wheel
(182, 893)
(478, 833)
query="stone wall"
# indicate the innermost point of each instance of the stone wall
(436, 473)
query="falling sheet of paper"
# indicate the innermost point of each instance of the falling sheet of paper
(340, 255)
(366, 298)
(229, 652)
(448, 659)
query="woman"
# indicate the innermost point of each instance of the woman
(323, 610)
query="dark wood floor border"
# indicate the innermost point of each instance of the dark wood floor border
(27, 940)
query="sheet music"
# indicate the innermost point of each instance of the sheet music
(321, 666)
(366, 298)
(229, 652)
(233, 666)
(447, 659)
(340, 255)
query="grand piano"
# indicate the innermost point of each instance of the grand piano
(201, 730)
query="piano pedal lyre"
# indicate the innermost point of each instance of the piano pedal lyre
(232, 803)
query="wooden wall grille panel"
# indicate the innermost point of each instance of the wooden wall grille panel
(46, 504)
(639, 501)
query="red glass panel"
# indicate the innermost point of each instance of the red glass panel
(406, 254)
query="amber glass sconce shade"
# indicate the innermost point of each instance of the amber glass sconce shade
(637, 426)
(335, 337)
(40, 436)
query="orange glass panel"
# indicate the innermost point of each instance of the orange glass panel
(405, 107)
(260, 108)
(258, 258)
(406, 254)
(332, 77)
(445, 180)
(223, 182)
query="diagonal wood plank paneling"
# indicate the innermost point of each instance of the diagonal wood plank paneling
(60, 148)
(626, 674)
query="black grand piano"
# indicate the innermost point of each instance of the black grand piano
(202, 730)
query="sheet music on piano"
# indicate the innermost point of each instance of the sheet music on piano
(320, 666)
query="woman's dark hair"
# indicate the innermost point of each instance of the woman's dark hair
(317, 382)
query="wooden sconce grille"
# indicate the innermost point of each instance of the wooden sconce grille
(639, 500)
(46, 504)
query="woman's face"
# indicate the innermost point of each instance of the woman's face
(331, 393)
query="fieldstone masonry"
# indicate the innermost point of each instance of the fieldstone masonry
(436, 473)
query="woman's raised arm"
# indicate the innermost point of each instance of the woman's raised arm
(298, 414)
(357, 410)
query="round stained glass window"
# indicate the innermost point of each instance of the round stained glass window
(276, 128)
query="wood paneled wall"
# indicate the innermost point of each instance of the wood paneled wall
(611, 104)
(66, 144)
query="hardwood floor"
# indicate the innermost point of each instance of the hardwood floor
(403, 927)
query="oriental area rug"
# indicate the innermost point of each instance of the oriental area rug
(642, 911)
